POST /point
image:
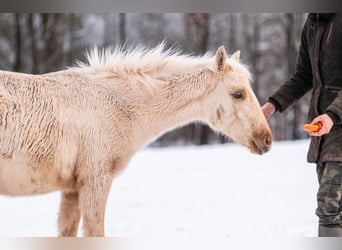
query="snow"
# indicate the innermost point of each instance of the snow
(210, 191)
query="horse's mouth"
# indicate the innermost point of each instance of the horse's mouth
(257, 149)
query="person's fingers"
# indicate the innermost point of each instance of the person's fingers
(268, 109)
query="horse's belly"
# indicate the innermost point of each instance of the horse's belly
(18, 178)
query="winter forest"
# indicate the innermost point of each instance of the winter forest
(40, 43)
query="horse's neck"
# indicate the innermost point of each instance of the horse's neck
(175, 104)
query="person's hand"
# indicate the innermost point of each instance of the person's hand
(326, 122)
(268, 109)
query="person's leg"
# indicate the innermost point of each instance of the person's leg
(330, 231)
(329, 199)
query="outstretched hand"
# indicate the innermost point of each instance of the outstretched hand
(326, 122)
(268, 109)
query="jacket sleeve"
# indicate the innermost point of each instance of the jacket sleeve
(301, 81)
(336, 109)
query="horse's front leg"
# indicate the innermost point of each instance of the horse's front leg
(93, 199)
(69, 215)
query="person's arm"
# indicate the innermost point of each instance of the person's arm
(300, 83)
(334, 110)
(333, 116)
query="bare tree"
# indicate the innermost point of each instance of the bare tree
(122, 28)
(71, 30)
(7, 39)
(289, 25)
(34, 50)
(232, 31)
(197, 31)
(18, 42)
(53, 31)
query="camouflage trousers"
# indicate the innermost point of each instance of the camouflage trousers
(329, 195)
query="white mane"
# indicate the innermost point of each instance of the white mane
(140, 60)
(142, 67)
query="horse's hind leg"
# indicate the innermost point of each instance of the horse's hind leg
(69, 215)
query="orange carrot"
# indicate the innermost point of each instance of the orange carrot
(313, 127)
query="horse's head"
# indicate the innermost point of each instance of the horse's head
(232, 107)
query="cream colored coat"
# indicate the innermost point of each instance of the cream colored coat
(74, 130)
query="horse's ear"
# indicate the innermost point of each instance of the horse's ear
(236, 56)
(221, 57)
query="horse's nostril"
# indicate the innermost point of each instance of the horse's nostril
(268, 140)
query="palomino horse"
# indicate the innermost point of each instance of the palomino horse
(76, 129)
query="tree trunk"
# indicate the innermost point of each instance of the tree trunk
(18, 43)
(290, 30)
(197, 31)
(232, 32)
(122, 28)
(53, 34)
(34, 51)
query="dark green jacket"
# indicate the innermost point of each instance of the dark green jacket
(319, 68)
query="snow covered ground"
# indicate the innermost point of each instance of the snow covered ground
(221, 191)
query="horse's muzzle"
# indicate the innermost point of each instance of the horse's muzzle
(261, 144)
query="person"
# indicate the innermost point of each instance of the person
(319, 68)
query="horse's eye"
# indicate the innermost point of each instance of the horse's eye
(238, 95)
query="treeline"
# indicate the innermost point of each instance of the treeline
(39, 43)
